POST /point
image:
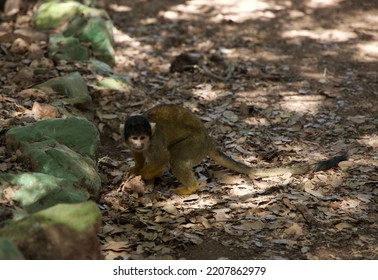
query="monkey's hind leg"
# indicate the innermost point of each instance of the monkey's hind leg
(183, 172)
(183, 156)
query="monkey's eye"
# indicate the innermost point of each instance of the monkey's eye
(135, 138)
(142, 137)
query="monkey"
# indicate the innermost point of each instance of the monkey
(170, 135)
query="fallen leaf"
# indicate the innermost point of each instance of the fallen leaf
(250, 225)
(364, 197)
(170, 208)
(205, 222)
(193, 238)
(295, 229)
(342, 226)
(116, 245)
(314, 193)
(231, 116)
(3, 166)
(221, 214)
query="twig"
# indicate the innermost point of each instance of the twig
(207, 72)
(307, 215)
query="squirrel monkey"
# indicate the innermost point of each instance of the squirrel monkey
(171, 135)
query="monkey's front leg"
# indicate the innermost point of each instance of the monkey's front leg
(151, 171)
(139, 163)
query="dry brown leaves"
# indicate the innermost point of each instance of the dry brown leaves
(267, 100)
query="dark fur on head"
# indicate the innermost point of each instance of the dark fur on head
(137, 125)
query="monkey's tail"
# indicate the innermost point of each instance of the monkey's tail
(298, 169)
(219, 157)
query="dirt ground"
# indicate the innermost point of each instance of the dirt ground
(276, 82)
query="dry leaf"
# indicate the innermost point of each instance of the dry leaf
(250, 225)
(314, 193)
(170, 208)
(44, 111)
(193, 238)
(3, 166)
(221, 214)
(295, 229)
(116, 245)
(342, 226)
(231, 116)
(19, 46)
(204, 222)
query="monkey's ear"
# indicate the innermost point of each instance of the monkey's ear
(153, 126)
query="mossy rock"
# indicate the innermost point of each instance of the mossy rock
(78, 134)
(67, 48)
(63, 150)
(38, 191)
(75, 88)
(9, 251)
(96, 30)
(64, 231)
(52, 14)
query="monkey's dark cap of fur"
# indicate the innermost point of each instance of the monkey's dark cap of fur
(137, 125)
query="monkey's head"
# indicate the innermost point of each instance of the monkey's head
(137, 133)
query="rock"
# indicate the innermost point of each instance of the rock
(53, 14)
(12, 7)
(76, 133)
(64, 231)
(67, 48)
(111, 79)
(19, 46)
(44, 63)
(185, 62)
(62, 162)
(75, 88)
(38, 191)
(9, 251)
(35, 52)
(98, 32)
(62, 148)
(24, 76)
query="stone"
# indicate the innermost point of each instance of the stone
(64, 231)
(75, 88)
(9, 251)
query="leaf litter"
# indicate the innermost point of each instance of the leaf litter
(253, 91)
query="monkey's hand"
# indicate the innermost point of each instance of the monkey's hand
(132, 172)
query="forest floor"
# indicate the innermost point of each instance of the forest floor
(276, 83)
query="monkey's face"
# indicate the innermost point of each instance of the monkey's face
(138, 133)
(138, 143)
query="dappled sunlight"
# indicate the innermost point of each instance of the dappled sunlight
(275, 83)
(315, 4)
(310, 104)
(224, 10)
(297, 69)
(119, 8)
(368, 51)
(323, 35)
(206, 92)
(372, 142)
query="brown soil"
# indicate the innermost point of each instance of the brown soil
(276, 83)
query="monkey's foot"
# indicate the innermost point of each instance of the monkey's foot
(186, 190)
